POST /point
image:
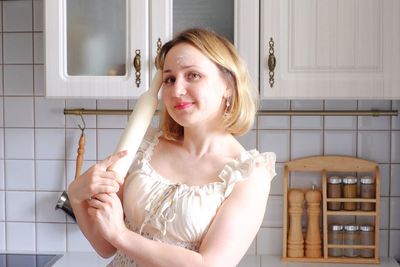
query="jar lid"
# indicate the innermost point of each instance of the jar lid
(366, 228)
(349, 180)
(336, 227)
(351, 228)
(367, 180)
(335, 180)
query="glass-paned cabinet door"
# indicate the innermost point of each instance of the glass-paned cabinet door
(209, 14)
(96, 48)
(236, 20)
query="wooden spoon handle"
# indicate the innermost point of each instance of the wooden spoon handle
(81, 152)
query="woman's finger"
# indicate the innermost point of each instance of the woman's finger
(94, 203)
(112, 159)
(102, 197)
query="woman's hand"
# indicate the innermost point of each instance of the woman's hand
(97, 179)
(106, 210)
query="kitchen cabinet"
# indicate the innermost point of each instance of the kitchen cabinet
(102, 49)
(330, 49)
(106, 49)
(236, 20)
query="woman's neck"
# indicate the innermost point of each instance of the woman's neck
(199, 142)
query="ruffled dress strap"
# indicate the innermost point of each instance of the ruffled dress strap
(145, 150)
(240, 169)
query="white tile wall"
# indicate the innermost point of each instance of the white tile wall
(112, 121)
(107, 140)
(2, 183)
(49, 143)
(374, 145)
(277, 141)
(38, 146)
(38, 81)
(17, 48)
(340, 143)
(395, 157)
(50, 175)
(20, 206)
(20, 174)
(394, 243)
(2, 236)
(2, 206)
(13, 84)
(395, 213)
(76, 240)
(301, 137)
(18, 143)
(51, 237)
(249, 140)
(395, 180)
(385, 179)
(45, 212)
(17, 16)
(20, 236)
(49, 112)
(396, 120)
(38, 15)
(18, 112)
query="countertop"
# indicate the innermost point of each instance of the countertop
(83, 259)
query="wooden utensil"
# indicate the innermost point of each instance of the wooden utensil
(313, 236)
(80, 153)
(295, 248)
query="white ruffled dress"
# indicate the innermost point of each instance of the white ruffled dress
(176, 213)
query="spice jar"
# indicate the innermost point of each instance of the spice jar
(350, 191)
(334, 191)
(350, 237)
(367, 238)
(367, 190)
(335, 237)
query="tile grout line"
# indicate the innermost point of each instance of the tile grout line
(4, 134)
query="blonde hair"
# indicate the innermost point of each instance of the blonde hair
(239, 116)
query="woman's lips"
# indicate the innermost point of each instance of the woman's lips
(183, 105)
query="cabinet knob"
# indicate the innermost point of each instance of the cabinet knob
(271, 62)
(137, 65)
(159, 44)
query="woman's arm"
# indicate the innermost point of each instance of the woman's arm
(227, 240)
(95, 180)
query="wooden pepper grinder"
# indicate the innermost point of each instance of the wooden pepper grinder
(313, 236)
(295, 246)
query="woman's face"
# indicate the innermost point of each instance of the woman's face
(193, 88)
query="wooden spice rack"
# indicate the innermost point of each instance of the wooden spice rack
(326, 165)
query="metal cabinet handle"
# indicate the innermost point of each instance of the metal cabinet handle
(159, 44)
(137, 65)
(271, 63)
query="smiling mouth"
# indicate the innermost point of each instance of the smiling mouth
(183, 105)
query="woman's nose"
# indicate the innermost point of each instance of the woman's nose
(179, 87)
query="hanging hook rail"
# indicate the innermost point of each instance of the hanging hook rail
(374, 113)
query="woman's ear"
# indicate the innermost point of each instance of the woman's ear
(227, 93)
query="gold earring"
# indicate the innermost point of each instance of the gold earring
(227, 105)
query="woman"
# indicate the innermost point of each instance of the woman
(193, 196)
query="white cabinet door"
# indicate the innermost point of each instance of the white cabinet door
(236, 20)
(161, 28)
(327, 49)
(91, 45)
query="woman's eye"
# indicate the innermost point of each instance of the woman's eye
(194, 76)
(169, 80)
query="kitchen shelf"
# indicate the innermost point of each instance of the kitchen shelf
(325, 165)
(372, 200)
(351, 213)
